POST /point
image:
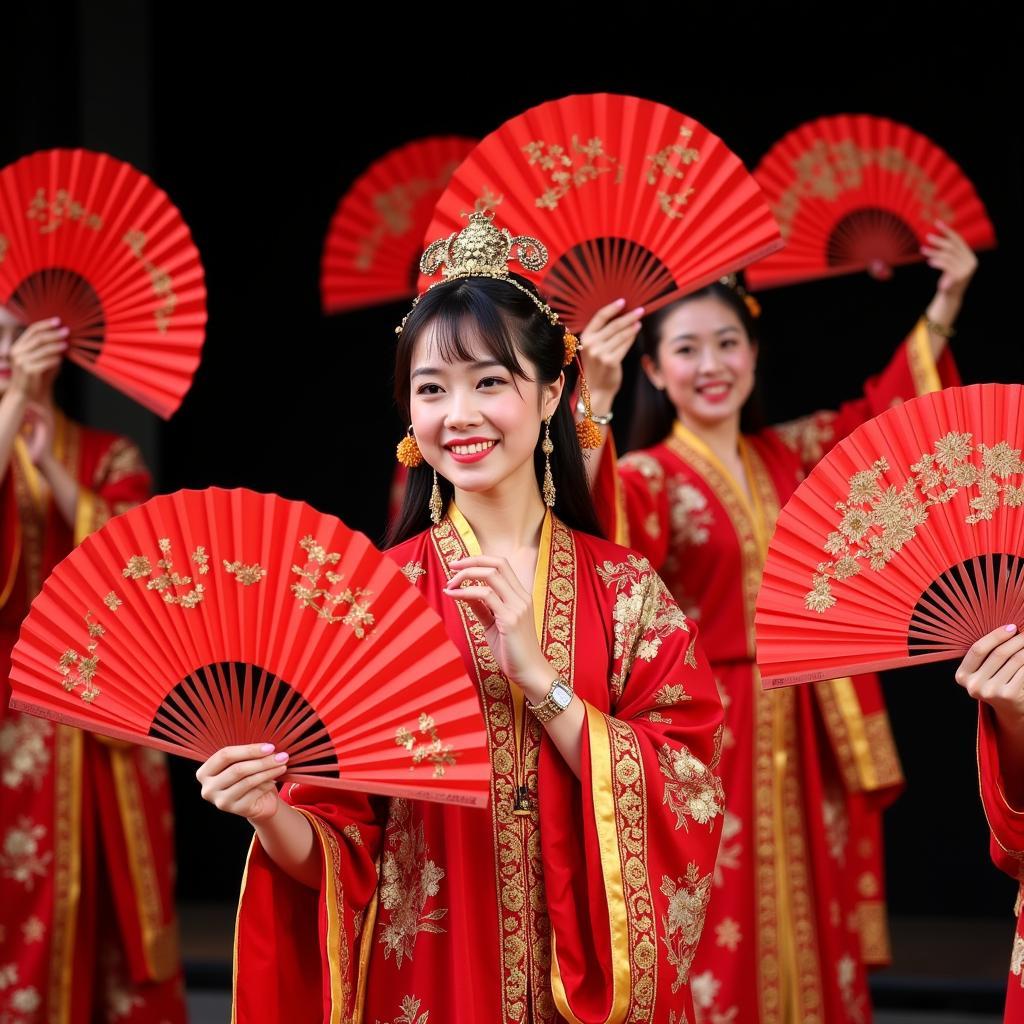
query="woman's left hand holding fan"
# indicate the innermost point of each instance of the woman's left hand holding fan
(993, 672)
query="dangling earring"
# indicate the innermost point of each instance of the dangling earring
(435, 502)
(408, 451)
(547, 447)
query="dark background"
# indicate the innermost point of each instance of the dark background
(256, 123)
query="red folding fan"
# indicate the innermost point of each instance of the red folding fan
(208, 618)
(904, 545)
(631, 198)
(855, 192)
(373, 245)
(92, 240)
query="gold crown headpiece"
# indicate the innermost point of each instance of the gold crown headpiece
(482, 250)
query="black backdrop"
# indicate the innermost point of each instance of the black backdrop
(255, 124)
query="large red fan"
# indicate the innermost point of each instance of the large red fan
(373, 245)
(904, 545)
(92, 240)
(208, 618)
(855, 192)
(631, 198)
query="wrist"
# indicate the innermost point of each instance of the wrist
(536, 681)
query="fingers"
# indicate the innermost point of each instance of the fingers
(227, 756)
(979, 653)
(608, 322)
(247, 787)
(485, 578)
(42, 333)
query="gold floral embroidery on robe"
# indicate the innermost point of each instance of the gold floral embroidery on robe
(409, 878)
(729, 851)
(809, 436)
(689, 515)
(24, 753)
(687, 906)
(643, 616)
(692, 790)
(408, 1013)
(1017, 958)
(674, 694)
(20, 858)
(654, 477)
(413, 572)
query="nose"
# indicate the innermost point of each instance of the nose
(707, 361)
(463, 410)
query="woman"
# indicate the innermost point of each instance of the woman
(86, 861)
(993, 673)
(798, 905)
(579, 894)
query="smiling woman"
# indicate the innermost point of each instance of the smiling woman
(580, 894)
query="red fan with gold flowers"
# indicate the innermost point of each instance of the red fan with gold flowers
(855, 192)
(90, 239)
(631, 198)
(208, 618)
(374, 242)
(904, 545)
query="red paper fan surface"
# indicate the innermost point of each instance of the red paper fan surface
(92, 240)
(855, 192)
(631, 198)
(904, 545)
(208, 618)
(372, 250)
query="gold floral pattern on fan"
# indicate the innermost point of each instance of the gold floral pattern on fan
(877, 520)
(358, 616)
(77, 669)
(434, 751)
(564, 174)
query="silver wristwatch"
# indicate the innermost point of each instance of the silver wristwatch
(557, 700)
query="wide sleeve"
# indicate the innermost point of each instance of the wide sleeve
(911, 372)
(632, 501)
(120, 481)
(297, 949)
(1007, 847)
(629, 848)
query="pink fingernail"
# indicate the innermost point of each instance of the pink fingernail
(281, 758)
(1010, 629)
(64, 332)
(620, 302)
(266, 748)
(639, 311)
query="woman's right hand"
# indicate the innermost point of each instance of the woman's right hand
(242, 780)
(37, 351)
(606, 340)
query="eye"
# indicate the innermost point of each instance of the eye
(729, 342)
(429, 389)
(684, 350)
(491, 382)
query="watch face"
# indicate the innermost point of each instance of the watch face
(561, 695)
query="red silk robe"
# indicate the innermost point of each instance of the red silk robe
(798, 908)
(585, 907)
(1007, 825)
(86, 862)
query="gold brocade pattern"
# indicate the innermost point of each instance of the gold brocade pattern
(409, 879)
(654, 480)
(682, 925)
(24, 750)
(644, 614)
(518, 887)
(122, 459)
(1017, 959)
(629, 793)
(878, 520)
(692, 789)
(808, 437)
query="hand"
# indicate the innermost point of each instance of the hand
(39, 420)
(993, 672)
(241, 780)
(505, 609)
(948, 252)
(606, 340)
(37, 351)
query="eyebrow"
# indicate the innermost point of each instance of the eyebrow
(433, 371)
(718, 330)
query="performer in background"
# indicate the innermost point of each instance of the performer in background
(580, 893)
(798, 907)
(87, 930)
